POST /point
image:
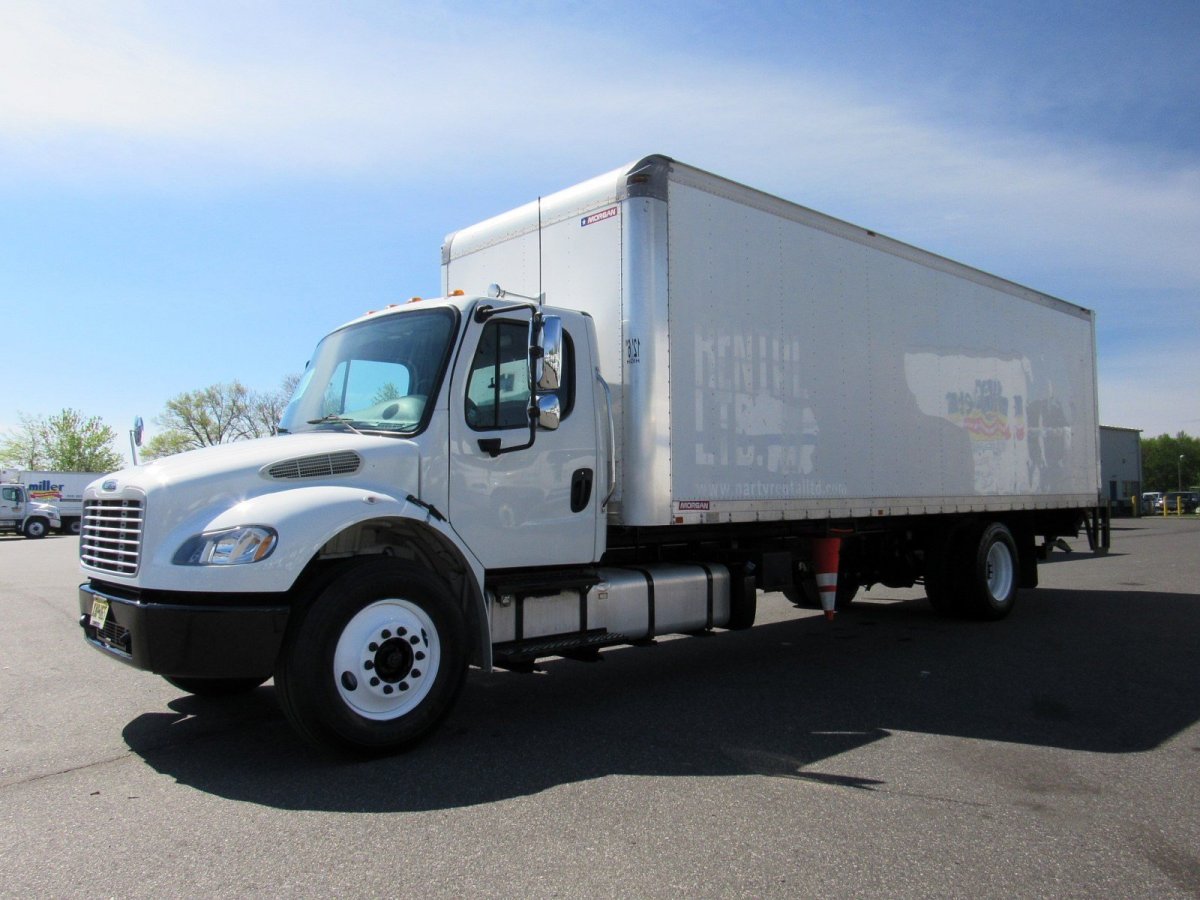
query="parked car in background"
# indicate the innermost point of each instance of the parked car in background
(1152, 501)
(1180, 501)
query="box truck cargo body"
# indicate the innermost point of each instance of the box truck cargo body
(770, 361)
(643, 401)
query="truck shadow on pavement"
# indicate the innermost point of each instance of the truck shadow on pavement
(1096, 672)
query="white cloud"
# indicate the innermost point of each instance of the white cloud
(178, 97)
(98, 96)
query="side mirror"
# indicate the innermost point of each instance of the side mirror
(548, 368)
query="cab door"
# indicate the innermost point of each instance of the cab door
(12, 503)
(536, 506)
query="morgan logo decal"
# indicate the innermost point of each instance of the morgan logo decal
(598, 217)
(693, 505)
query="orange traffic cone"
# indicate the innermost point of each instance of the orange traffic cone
(825, 558)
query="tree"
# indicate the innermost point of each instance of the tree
(1162, 468)
(266, 409)
(217, 414)
(166, 443)
(66, 442)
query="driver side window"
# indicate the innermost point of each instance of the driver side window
(498, 384)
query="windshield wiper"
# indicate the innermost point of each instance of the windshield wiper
(335, 418)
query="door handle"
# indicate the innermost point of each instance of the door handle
(581, 489)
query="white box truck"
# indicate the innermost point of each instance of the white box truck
(63, 490)
(19, 514)
(707, 392)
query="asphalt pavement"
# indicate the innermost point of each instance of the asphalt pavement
(888, 754)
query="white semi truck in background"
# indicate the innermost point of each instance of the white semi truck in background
(63, 490)
(19, 514)
(706, 393)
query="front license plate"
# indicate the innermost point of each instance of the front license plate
(99, 613)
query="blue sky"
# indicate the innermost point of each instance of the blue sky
(192, 193)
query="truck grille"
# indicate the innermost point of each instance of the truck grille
(110, 538)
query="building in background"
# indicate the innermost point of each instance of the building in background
(1120, 467)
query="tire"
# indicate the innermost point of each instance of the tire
(940, 559)
(989, 574)
(375, 661)
(743, 599)
(215, 687)
(804, 594)
(75, 527)
(36, 528)
(850, 577)
(846, 592)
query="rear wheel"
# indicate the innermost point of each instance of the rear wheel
(990, 577)
(375, 661)
(941, 558)
(804, 593)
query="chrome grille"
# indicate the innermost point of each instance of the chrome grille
(345, 462)
(110, 536)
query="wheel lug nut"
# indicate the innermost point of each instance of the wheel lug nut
(368, 665)
(414, 640)
(387, 688)
(385, 634)
(349, 682)
(373, 647)
(416, 673)
(374, 682)
(420, 654)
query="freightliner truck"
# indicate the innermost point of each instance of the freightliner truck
(63, 490)
(21, 514)
(642, 401)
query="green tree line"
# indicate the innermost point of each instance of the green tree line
(73, 442)
(1170, 463)
(218, 414)
(66, 442)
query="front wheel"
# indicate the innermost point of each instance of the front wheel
(36, 528)
(375, 661)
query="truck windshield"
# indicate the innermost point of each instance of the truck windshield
(376, 376)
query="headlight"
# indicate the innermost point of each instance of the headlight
(231, 547)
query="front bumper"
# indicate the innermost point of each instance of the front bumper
(238, 639)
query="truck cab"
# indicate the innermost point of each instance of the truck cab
(19, 514)
(428, 448)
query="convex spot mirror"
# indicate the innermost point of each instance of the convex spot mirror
(549, 412)
(548, 368)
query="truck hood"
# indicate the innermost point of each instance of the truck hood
(299, 484)
(189, 488)
(49, 510)
(248, 468)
